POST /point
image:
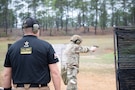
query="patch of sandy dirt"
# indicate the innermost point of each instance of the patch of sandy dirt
(92, 81)
(89, 81)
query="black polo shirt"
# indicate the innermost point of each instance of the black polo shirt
(29, 58)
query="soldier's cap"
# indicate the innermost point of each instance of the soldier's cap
(29, 22)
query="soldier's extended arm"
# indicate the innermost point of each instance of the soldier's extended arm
(84, 49)
(96, 46)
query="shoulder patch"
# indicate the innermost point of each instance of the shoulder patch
(55, 56)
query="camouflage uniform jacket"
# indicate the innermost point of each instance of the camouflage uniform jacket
(71, 54)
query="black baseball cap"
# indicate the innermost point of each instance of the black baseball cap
(29, 22)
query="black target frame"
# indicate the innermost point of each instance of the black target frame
(124, 55)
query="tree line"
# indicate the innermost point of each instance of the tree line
(61, 14)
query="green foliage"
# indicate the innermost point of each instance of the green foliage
(98, 13)
(3, 34)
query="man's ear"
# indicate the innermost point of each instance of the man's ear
(35, 28)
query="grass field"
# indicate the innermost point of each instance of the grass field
(97, 70)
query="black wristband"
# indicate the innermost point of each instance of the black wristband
(8, 88)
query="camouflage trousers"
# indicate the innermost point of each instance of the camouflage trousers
(72, 78)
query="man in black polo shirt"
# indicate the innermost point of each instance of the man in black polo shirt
(30, 62)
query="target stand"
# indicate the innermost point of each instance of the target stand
(124, 52)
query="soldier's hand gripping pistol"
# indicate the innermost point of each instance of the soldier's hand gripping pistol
(93, 48)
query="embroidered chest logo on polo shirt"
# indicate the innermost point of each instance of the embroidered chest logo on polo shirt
(26, 49)
(26, 44)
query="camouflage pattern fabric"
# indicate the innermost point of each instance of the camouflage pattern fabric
(71, 77)
(71, 56)
(64, 74)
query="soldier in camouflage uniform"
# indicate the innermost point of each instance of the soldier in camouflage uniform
(71, 56)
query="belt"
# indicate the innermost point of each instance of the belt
(31, 85)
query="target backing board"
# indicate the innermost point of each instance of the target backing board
(124, 51)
